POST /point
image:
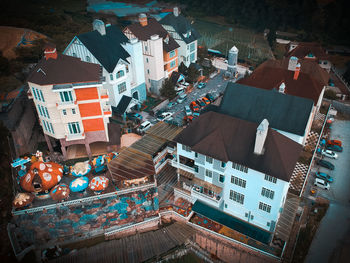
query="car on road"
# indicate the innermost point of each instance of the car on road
(188, 111)
(145, 126)
(194, 106)
(206, 101)
(201, 85)
(165, 116)
(171, 104)
(325, 164)
(321, 183)
(335, 148)
(182, 98)
(334, 142)
(329, 154)
(200, 103)
(210, 97)
(325, 177)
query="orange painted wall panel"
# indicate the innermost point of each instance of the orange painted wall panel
(86, 94)
(90, 109)
(93, 125)
(167, 56)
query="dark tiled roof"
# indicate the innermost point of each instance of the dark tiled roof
(153, 28)
(64, 70)
(269, 76)
(181, 26)
(284, 112)
(122, 105)
(230, 139)
(106, 48)
(305, 48)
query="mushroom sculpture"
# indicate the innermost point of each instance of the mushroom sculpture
(81, 169)
(60, 192)
(98, 184)
(79, 184)
(23, 200)
(41, 177)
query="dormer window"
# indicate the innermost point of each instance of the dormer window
(88, 59)
(120, 74)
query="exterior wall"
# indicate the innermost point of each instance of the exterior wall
(141, 92)
(77, 49)
(255, 181)
(168, 60)
(320, 98)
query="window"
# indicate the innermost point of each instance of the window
(88, 59)
(66, 96)
(51, 128)
(208, 173)
(188, 58)
(148, 71)
(172, 64)
(40, 112)
(188, 47)
(146, 48)
(270, 178)
(238, 181)
(225, 205)
(122, 87)
(64, 112)
(38, 94)
(196, 155)
(192, 47)
(208, 159)
(48, 127)
(172, 54)
(146, 60)
(192, 57)
(120, 74)
(75, 54)
(240, 167)
(111, 76)
(237, 197)
(268, 193)
(186, 148)
(43, 111)
(73, 111)
(73, 127)
(264, 207)
(34, 93)
(127, 68)
(223, 164)
(221, 178)
(268, 223)
(46, 113)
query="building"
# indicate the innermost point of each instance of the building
(184, 34)
(160, 51)
(290, 115)
(120, 58)
(71, 102)
(298, 78)
(240, 168)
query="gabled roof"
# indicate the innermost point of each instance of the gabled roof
(270, 76)
(226, 138)
(122, 105)
(106, 48)
(284, 112)
(64, 70)
(305, 48)
(182, 26)
(153, 27)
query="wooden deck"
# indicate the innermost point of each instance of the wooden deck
(135, 248)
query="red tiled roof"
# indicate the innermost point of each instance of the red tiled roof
(305, 48)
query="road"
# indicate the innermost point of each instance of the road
(332, 234)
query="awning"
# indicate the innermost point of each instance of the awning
(231, 222)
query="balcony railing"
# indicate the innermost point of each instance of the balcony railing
(184, 167)
(66, 103)
(213, 199)
(77, 136)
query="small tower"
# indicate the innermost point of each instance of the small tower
(99, 26)
(232, 61)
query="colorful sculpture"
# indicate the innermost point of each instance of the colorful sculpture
(22, 200)
(60, 192)
(99, 183)
(81, 169)
(79, 184)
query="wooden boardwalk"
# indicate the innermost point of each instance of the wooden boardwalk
(135, 248)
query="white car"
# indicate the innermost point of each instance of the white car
(145, 126)
(329, 154)
(165, 116)
(188, 111)
(182, 98)
(179, 89)
(321, 183)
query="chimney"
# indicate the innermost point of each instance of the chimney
(282, 87)
(176, 11)
(296, 72)
(99, 26)
(261, 133)
(50, 51)
(143, 19)
(293, 61)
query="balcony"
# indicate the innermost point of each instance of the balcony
(206, 195)
(104, 94)
(77, 136)
(66, 104)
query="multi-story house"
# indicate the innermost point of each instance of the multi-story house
(160, 51)
(184, 34)
(120, 58)
(70, 100)
(240, 168)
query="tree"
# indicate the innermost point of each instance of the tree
(183, 69)
(192, 74)
(168, 89)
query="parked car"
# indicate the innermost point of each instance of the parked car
(188, 119)
(179, 89)
(186, 84)
(145, 126)
(195, 114)
(165, 116)
(194, 106)
(188, 111)
(171, 104)
(135, 116)
(334, 142)
(325, 177)
(321, 183)
(329, 154)
(206, 101)
(326, 164)
(210, 97)
(335, 148)
(201, 85)
(182, 98)
(200, 103)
